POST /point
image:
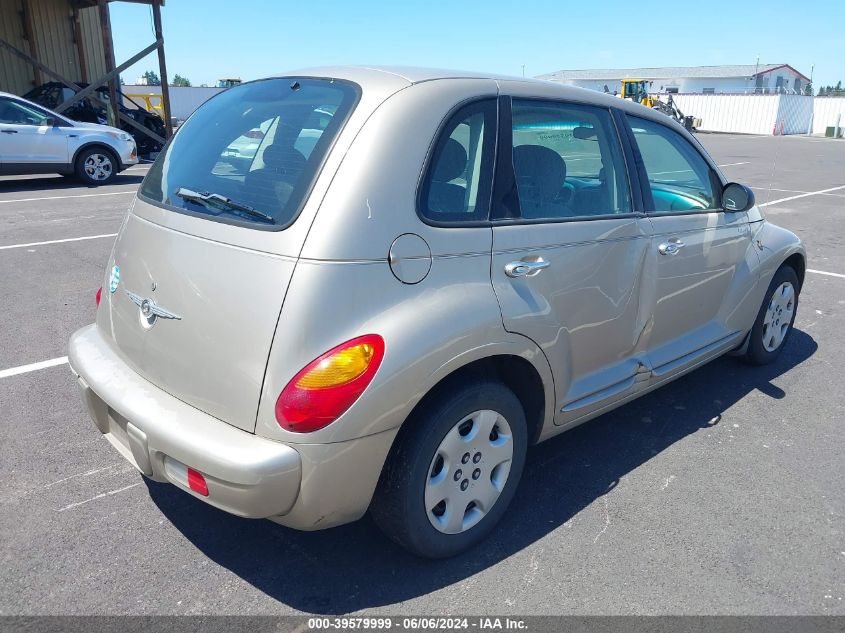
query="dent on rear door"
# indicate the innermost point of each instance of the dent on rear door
(584, 310)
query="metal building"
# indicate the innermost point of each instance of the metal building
(63, 35)
(732, 79)
(70, 41)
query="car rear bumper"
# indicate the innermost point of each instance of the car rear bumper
(160, 435)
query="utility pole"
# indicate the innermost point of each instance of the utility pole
(812, 98)
(523, 71)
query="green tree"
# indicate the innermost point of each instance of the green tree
(179, 80)
(832, 91)
(152, 78)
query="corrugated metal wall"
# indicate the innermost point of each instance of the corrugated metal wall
(762, 114)
(825, 111)
(92, 43)
(15, 74)
(52, 23)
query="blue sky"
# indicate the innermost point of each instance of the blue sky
(209, 39)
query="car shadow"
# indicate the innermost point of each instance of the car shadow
(354, 567)
(58, 183)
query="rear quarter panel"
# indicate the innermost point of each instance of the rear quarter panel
(430, 329)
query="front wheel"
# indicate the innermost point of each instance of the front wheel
(454, 471)
(774, 321)
(96, 166)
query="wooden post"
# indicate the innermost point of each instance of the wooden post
(80, 46)
(162, 67)
(89, 91)
(108, 49)
(29, 32)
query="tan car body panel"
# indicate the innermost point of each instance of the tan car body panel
(334, 274)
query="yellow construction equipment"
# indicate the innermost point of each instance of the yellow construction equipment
(637, 91)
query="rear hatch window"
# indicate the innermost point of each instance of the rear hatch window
(250, 155)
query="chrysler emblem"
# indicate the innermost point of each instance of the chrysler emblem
(150, 310)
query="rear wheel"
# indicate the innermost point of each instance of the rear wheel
(774, 321)
(454, 471)
(96, 166)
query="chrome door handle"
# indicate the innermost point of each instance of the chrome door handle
(524, 268)
(671, 247)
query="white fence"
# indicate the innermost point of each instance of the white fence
(739, 113)
(762, 114)
(183, 101)
(825, 110)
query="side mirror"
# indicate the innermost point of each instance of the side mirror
(737, 197)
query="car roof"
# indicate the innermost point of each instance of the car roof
(381, 76)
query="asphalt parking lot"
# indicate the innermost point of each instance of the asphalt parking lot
(721, 493)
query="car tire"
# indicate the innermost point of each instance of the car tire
(775, 319)
(443, 452)
(96, 166)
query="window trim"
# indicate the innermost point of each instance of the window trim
(506, 169)
(318, 172)
(428, 164)
(717, 179)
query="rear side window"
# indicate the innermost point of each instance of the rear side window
(678, 176)
(568, 161)
(456, 187)
(250, 155)
(17, 113)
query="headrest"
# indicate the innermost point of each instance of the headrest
(543, 166)
(451, 163)
(286, 159)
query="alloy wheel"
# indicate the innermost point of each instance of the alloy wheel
(98, 167)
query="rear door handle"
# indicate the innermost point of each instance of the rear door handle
(672, 247)
(9, 131)
(524, 268)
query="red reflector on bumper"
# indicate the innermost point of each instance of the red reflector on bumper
(196, 482)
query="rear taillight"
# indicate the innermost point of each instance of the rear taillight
(320, 393)
(99, 295)
(196, 482)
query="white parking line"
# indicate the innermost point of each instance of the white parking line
(82, 195)
(25, 369)
(803, 195)
(733, 164)
(824, 272)
(68, 239)
(767, 188)
(99, 496)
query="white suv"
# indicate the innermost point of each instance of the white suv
(34, 140)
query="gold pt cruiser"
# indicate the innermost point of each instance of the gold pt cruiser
(353, 289)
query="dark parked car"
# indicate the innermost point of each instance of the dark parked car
(52, 93)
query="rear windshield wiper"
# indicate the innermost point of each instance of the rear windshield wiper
(222, 203)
